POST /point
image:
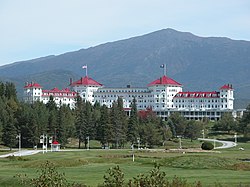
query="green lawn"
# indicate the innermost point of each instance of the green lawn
(89, 167)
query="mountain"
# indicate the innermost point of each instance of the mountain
(199, 63)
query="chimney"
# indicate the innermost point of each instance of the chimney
(70, 81)
(161, 80)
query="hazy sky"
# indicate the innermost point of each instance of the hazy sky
(36, 28)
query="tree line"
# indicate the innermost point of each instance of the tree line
(112, 127)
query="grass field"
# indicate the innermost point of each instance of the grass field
(89, 166)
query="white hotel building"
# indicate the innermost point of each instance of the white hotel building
(163, 95)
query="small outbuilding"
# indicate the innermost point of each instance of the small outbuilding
(55, 146)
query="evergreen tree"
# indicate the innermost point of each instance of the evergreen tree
(193, 129)
(105, 132)
(179, 123)
(8, 108)
(61, 127)
(151, 134)
(3, 116)
(226, 123)
(8, 112)
(119, 122)
(88, 123)
(25, 121)
(172, 127)
(79, 116)
(2, 90)
(10, 91)
(42, 114)
(10, 130)
(69, 121)
(96, 115)
(150, 130)
(166, 131)
(133, 124)
(9, 135)
(244, 125)
(52, 118)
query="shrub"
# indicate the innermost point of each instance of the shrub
(115, 177)
(49, 177)
(154, 178)
(207, 146)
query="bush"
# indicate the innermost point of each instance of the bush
(115, 178)
(207, 146)
(49, 177)
(154, 178)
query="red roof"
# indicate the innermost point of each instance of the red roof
(33, 85)
(86, 81)
(59, 93)
(55, 142)
(197, 95)
(226, 87)
(164, 81)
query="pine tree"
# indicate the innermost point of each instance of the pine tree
(179, 123)
(226, 123)
(133, 124)
(88, 123)
(9, 135)
(151, 134)
(166, 131)
(10, 132)
(244, 125)
(61, 125)
(105, 132)
(119, 122)
(193, 129)
(10, 91)
(52, 119)
(26, 124)
(79, 116)
(2, 90)
(42, 114)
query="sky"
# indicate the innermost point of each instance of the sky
(36, 28)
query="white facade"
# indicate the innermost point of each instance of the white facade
(106, 96)
(86, 87)
(33, 92)
(198, 105)
(163, 95)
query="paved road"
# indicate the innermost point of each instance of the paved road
(225, 144)
(21, 153)
(25, 152)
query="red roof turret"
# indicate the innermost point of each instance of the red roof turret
(227, 87)
(164, 81)
(55, 142)
(32, 85)
(86, 81)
